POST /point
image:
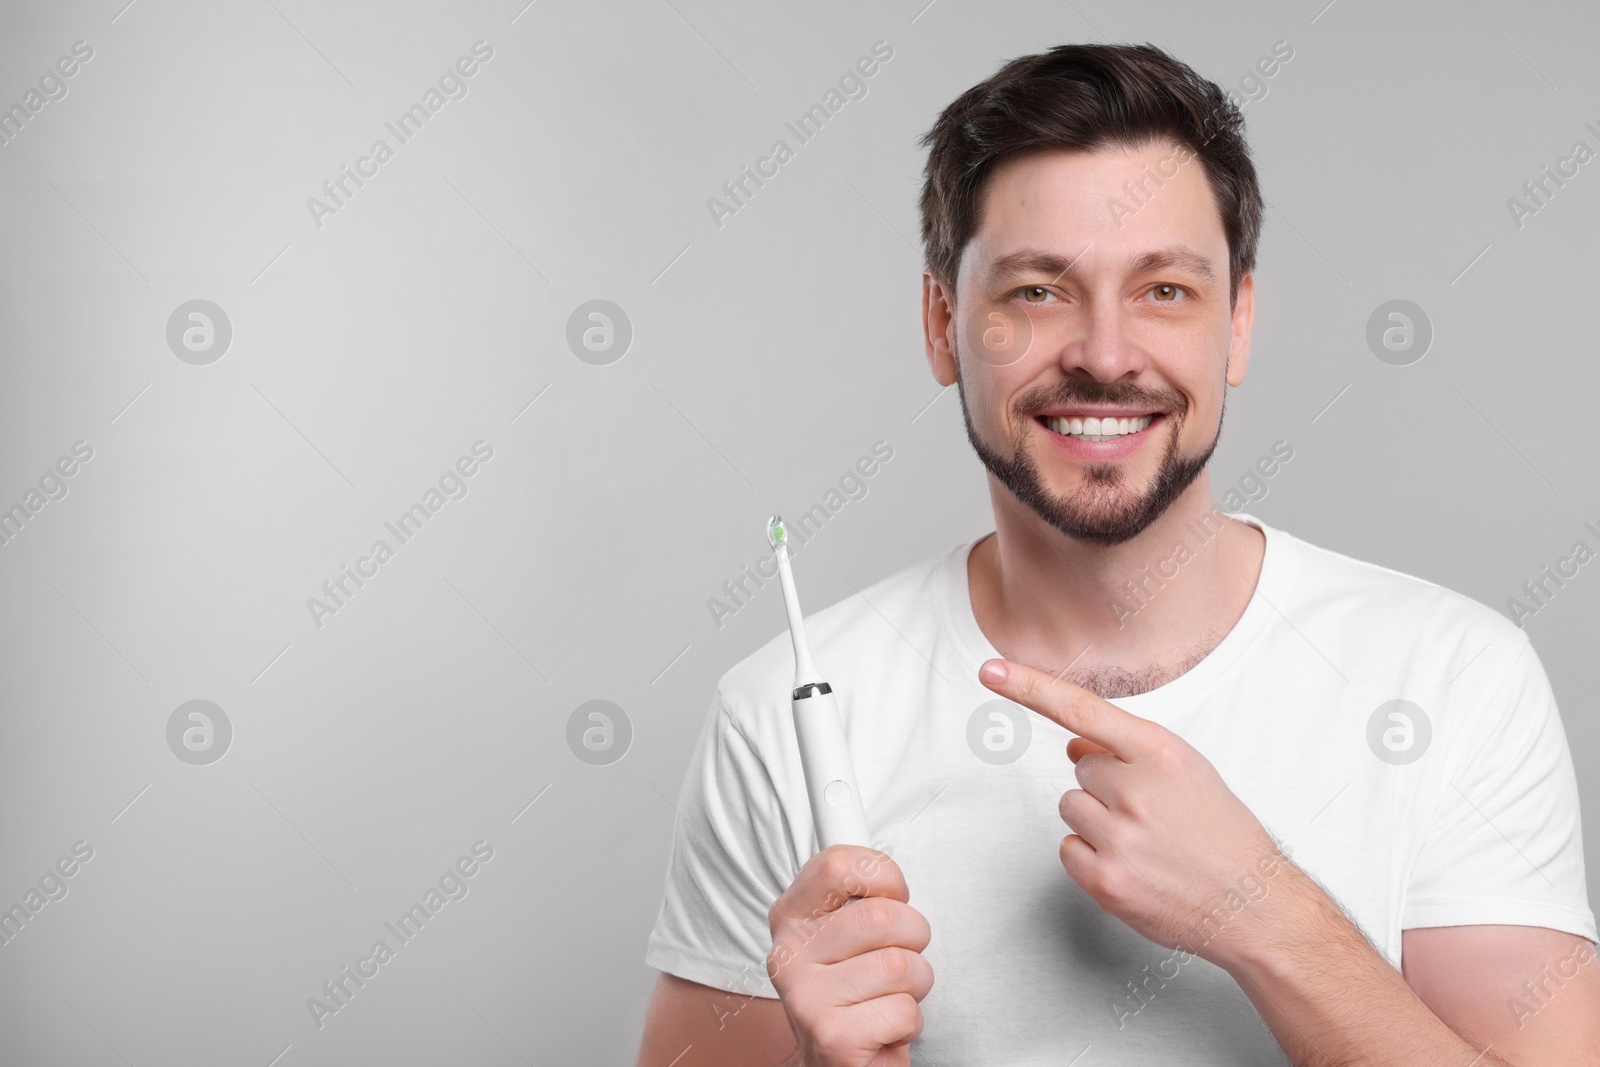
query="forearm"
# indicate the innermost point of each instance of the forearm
(1332, 1000)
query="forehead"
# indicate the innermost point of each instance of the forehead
(1109, 206)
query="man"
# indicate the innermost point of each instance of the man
(1331, 816)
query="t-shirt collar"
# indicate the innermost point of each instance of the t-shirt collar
(955, 603)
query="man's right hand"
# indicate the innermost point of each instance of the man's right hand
(850, 973)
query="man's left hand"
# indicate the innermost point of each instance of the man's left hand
(1159, 840)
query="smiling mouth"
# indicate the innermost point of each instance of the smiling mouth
(1095, 429)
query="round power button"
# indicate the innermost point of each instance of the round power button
(837, 793)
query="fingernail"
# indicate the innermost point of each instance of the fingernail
(993, 671)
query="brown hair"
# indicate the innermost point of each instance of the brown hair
(1084, 97)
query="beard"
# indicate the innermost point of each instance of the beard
(1104, 510)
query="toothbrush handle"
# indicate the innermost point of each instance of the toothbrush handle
(830, 777)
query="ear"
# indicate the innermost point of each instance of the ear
(1244, 314)
(938, 326)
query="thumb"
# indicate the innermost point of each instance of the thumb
(1079, 747)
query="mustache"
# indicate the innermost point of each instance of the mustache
(1074, 391)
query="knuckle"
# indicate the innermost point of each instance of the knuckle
(925, 978)
(895, 965)
(836, 864)
(894, 877)
(904, 1013)
(1114, 887)
(873, 914)
(1168, 760)
(1069, 803)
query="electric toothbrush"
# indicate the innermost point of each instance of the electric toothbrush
(830, 778)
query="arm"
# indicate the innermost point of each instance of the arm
(1330, 998)
(1532, 992)
(726, 867)
(692, 1025)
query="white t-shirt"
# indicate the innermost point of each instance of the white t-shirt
(1481, 827)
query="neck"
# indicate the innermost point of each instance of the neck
(1119, 619)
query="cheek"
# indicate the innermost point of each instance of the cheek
(1201, 397)
(990, 394)
(989, 363)
(995, 335)
(982, 393)
(1200, 421)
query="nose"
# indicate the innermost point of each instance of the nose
(1102, 342)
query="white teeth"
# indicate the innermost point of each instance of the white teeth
(1095, 429)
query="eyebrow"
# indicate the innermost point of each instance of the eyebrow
(1039, 261)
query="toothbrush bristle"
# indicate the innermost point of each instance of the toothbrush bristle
(776, 534)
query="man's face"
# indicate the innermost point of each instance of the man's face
(1091, 292)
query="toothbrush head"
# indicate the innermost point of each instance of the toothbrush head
(777, 533)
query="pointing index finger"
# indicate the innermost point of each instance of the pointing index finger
(1070, 706)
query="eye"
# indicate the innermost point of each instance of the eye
(1030, 291)
(1167, 288)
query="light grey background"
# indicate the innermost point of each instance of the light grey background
(767, 356)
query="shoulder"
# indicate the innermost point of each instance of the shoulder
(1387, 612)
